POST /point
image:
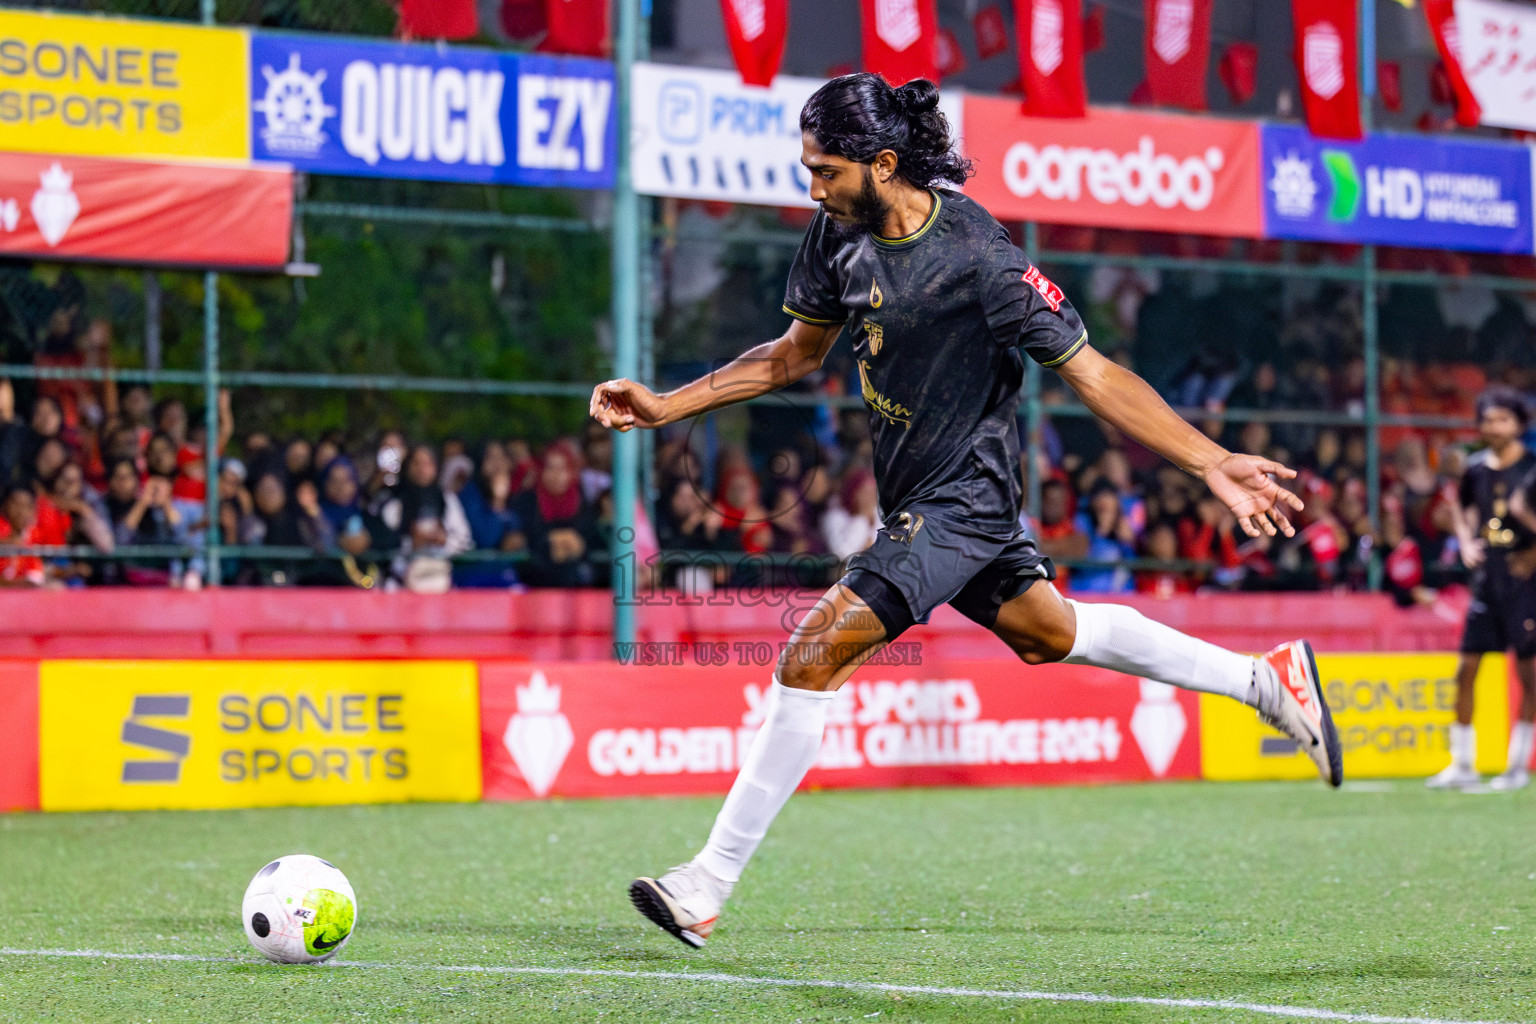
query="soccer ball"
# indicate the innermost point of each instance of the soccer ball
(299, 910)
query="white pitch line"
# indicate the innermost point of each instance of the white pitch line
(1020, 995)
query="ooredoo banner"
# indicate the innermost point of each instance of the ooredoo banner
(130, 735)
(1393, 713)
(704, 134)
(563, 729)
(114, 87)
(1397, 190)
(440, 113)
(132, 211)
(1116, 168)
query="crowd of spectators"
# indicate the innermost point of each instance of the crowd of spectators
(96, 467)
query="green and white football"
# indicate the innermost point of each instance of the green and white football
(299, 910)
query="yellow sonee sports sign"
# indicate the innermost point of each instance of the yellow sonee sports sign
(131, 735)
(1393, 713)
(79, 86)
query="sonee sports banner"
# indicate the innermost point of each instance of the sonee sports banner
(127, 735)
(154, 213)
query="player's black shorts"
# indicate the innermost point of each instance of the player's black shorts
(1502, 616)
(932, 556)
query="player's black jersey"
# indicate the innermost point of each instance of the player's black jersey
(1489, 490)
(937, 321)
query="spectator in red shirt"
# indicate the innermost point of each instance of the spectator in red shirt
(18, 527)
(1161, 541)
(1058, 533)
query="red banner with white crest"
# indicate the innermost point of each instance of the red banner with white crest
(899, 39)
(1051, 57)
(164, 214)
(1178, 49)
(756, 31)
(577, 729)
(1327, 64)
(1445, 27)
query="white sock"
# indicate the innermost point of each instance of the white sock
(781, 753)
(1116, 637)
(1520, 746)
(1463, 745)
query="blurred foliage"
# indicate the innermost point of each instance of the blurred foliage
(358, 17)
(408, 299)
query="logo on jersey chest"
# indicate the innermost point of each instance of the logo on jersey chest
(876, 296)
(892, 412)
(876, 335)
(1052, 295)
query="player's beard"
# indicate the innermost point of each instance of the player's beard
(866, 213)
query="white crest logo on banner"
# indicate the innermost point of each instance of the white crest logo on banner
(55, 206)
(897, 23)
(1323, 59)
(1047, 47)
(538, 737)
(1170, 36)
(1158, 723)
(751, 16)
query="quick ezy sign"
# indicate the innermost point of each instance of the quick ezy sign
(438, 113)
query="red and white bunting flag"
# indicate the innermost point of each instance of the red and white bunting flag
(1178, 49)
(1327, 65)
(1051, 57)
(1441, 15)
(899, 39)
(577, 27)
(991, 31)
(438, 19)
(756, 30)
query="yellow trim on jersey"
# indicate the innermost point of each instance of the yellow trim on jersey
(1079, 343)
(933, 216)
(812, 319)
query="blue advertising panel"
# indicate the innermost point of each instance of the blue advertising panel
(1397, 190)
(395, 110)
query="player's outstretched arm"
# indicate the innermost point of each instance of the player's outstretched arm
(1243, 482)
(624, 404)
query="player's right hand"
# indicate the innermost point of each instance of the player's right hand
(623, 404)
(1472, 553)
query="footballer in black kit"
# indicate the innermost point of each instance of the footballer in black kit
(942, 310)
(1494, 532)
(940, 321)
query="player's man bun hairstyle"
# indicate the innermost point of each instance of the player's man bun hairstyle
(1502, 397)
(856, 116)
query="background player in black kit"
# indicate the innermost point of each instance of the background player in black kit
(1500, 550)
(941, 309)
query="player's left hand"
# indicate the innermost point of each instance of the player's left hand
(1245, 484)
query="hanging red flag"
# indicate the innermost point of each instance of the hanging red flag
(1051, 57)
(947, 55)
(577, 27)
(1326, 48)
(991, 32)
(1389, 84)
(899, 39)
(438, 19)
(1239, 71)
(1093, 30)
(756, 30)
(1178, 48)
(522, 20)
(1441, 15)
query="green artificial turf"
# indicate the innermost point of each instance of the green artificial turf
(1384, 899)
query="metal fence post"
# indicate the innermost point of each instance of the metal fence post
(211, 423)
(626, 331)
